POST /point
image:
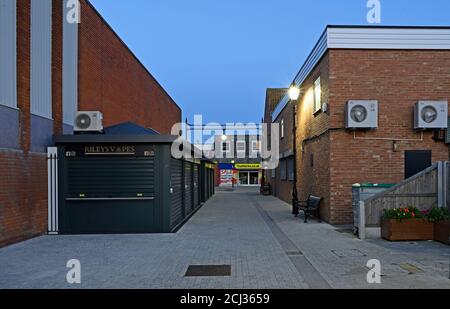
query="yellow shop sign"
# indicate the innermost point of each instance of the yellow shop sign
(256, 166)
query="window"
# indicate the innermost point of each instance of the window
(282, 128)
(290, 169)
(256, 146)
(283, 175)
(226, 146)
(274, 173)
(240, 147)
(317, 96)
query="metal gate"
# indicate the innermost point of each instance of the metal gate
(52, 174)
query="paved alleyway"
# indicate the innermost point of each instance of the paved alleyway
(265, 246)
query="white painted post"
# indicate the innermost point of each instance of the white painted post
(362, 220)
(52, 174)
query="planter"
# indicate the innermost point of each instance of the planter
(442, 232)
(266, 190)
(407, 230)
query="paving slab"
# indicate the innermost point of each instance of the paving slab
(266, 247)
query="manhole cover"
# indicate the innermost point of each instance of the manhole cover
(208, 271)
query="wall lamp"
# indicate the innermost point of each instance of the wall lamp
(294, 92)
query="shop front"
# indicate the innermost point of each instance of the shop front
(126, 184)
(249, 174)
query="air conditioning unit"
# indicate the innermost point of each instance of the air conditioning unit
(361, 114)
(431, 115)
(88, 122)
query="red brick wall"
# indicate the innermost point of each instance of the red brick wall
(23, 71)
(23, 198)
(57, 29)
(313, 154)
(113, 81)
(397, 79)
(23, 194)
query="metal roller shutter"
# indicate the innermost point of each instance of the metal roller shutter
(110, 195)
(176, 178)
(111, 177)
(196, 187)
(188, 188)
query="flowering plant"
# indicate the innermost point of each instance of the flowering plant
(438, 214)
(402, 213)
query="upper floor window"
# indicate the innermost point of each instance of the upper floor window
(256, 146)
(282, 128)
(317, 95)
(240, 146)
(226, 147)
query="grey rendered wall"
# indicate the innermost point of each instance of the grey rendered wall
(70, 69)
(8, 63)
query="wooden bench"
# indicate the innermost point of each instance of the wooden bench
(310, 207)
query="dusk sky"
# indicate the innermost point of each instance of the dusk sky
(217, 57)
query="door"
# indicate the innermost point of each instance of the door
(254, 178)
(243, 178)
(417, 161)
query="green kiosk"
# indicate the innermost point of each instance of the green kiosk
(116, 183)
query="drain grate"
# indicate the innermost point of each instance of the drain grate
(208, 271)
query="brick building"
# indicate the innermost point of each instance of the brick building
(239, 162)
(395, 66)
(49, 69)
(282, 179)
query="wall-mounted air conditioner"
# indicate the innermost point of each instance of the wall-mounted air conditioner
(88, 122)
(431, 115)
(361, 114)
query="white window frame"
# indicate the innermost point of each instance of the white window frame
(282, 128)
(256, 146)
(317, 90)
(241, 143)
(227, 148)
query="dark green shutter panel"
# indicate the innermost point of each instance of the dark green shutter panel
(177, 213)
(111, 177)
(188, 198)
(447, 140)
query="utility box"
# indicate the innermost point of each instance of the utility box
(362, 192)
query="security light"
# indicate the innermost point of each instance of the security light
(294, 93)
